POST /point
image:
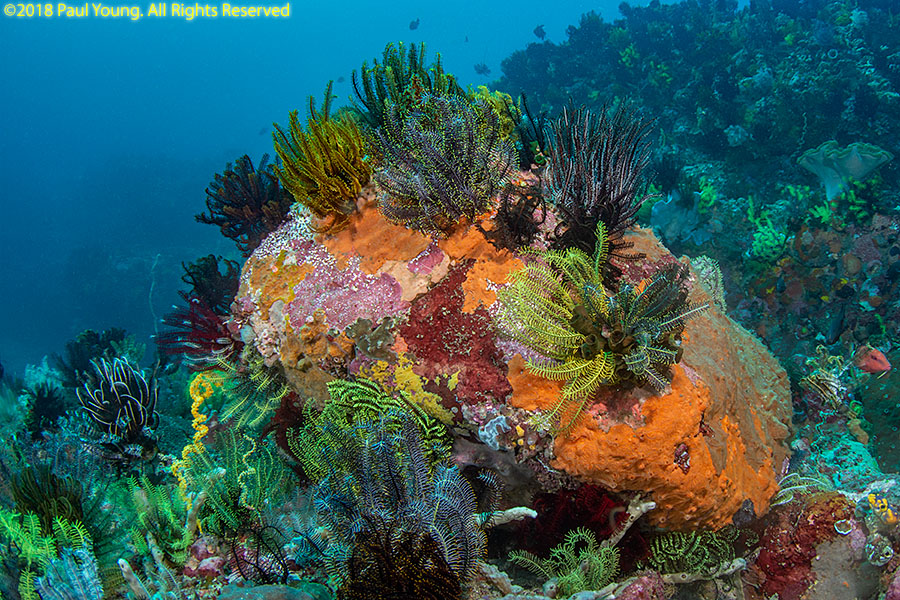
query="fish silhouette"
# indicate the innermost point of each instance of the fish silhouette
(413, 25)
(539, 31)
(482, 69)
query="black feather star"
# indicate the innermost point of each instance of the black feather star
(445, 161)
(595, 167)
(397, 526)
(121, 403)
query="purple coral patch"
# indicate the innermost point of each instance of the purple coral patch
(344, 294)
(427, 260)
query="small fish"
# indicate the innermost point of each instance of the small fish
(871, 360)
(264, 131)
(467, 39)
(341, 79)
(837, 325)
(539, 32)
(482, 69)
(413, 25)
(883, 509)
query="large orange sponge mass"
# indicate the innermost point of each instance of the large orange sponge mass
(712, 442)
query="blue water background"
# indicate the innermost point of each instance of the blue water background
(112, 129)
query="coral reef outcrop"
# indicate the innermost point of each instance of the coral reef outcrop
(703, 449)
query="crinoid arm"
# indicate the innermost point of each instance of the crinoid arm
(324, 167)
(583, 377)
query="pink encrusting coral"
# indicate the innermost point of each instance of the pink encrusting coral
(427, 260)
(345, 294)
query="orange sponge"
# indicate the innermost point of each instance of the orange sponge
(712, 442)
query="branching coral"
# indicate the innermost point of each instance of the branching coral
(445, 160)
(401, 80)
(558, 307)
(324, 167)
(246, 202)
(595, 169)
(769, 239)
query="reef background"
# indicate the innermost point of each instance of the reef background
(110, 130)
